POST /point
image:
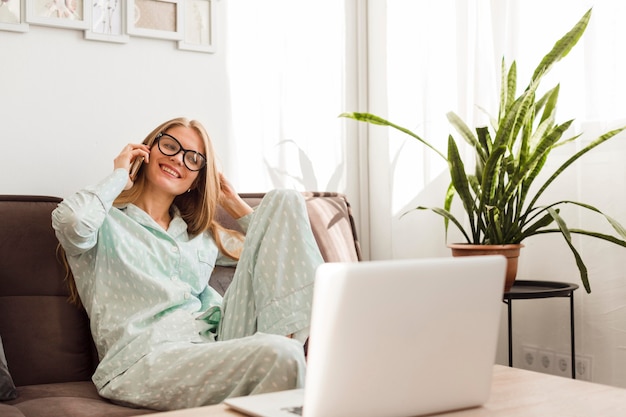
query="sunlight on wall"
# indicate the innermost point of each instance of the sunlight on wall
(421, 84)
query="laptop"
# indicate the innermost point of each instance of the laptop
(396, 338)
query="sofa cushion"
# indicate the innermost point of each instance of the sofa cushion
(70, 399)
(10, 411)
(333, 226)
(221, 278)
(7, 387)
(57, 347)
(45, 338)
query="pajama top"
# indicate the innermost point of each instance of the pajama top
(141, 286)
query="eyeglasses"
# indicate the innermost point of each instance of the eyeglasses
(170, 146)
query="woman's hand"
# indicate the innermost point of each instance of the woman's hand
(129, 154)
(230, 200)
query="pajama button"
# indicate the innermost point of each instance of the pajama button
(175, 249)
(187, 295)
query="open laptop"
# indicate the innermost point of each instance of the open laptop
(396, 339)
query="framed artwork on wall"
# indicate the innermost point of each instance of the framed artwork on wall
(199, 26)
(108, 21)
(12, 16)
(71, 14)
(160, 19)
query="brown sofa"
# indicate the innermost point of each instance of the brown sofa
(47, 342)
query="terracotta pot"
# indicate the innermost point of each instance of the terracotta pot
(511, 252)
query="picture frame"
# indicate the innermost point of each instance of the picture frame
(12, 16)
(160, 19)
(108, 21)
(70, 14)
(199, 26)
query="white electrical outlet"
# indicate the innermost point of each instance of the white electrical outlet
(556, 363)
(545, 361)
(563, 365)
(530, 357)
(583, 367)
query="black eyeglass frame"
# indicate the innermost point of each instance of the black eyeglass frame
(157, 140)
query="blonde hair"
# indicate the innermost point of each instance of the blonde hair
(198, 207)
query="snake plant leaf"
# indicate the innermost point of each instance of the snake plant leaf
(529, 142)
(493, 122)
(511, 84)
(582, 268)
(537, 158)
(600, 140)
(503, 93)
(477, 222)
(508, 88)
(562, 47)
(515, 117)
(467, 134)
(474, 183)
(484, 139)
(376, 120)
(447, 203)
(448, 216)
(544, 221)
(525, 187)
(596, 235)
(614, 223)
(545, 128)
(459, 177)
(568, 140)
(491, 172)
(602, 236)
(548, 103)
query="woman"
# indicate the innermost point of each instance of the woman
(141, 251)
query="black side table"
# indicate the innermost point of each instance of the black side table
(525, 290)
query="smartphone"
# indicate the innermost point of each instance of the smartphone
(134, 168)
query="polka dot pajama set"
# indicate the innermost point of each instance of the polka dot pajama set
(165, 338)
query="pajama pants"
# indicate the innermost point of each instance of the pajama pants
(270, 297)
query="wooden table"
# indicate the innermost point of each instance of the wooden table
(515, 393)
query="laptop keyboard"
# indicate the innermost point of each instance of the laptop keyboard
(294, 410)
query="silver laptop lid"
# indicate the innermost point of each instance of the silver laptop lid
(403, 337)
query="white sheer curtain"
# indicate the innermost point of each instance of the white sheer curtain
(438, 57)
(285, 64)
(445, 55)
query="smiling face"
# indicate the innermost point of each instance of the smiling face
(169, 173)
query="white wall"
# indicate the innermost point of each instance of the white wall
(68, 105)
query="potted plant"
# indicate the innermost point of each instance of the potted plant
(498, 196)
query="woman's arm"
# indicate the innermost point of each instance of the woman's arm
(231, 201)
(78, 218)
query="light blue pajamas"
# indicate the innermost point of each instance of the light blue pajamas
(154, 318)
